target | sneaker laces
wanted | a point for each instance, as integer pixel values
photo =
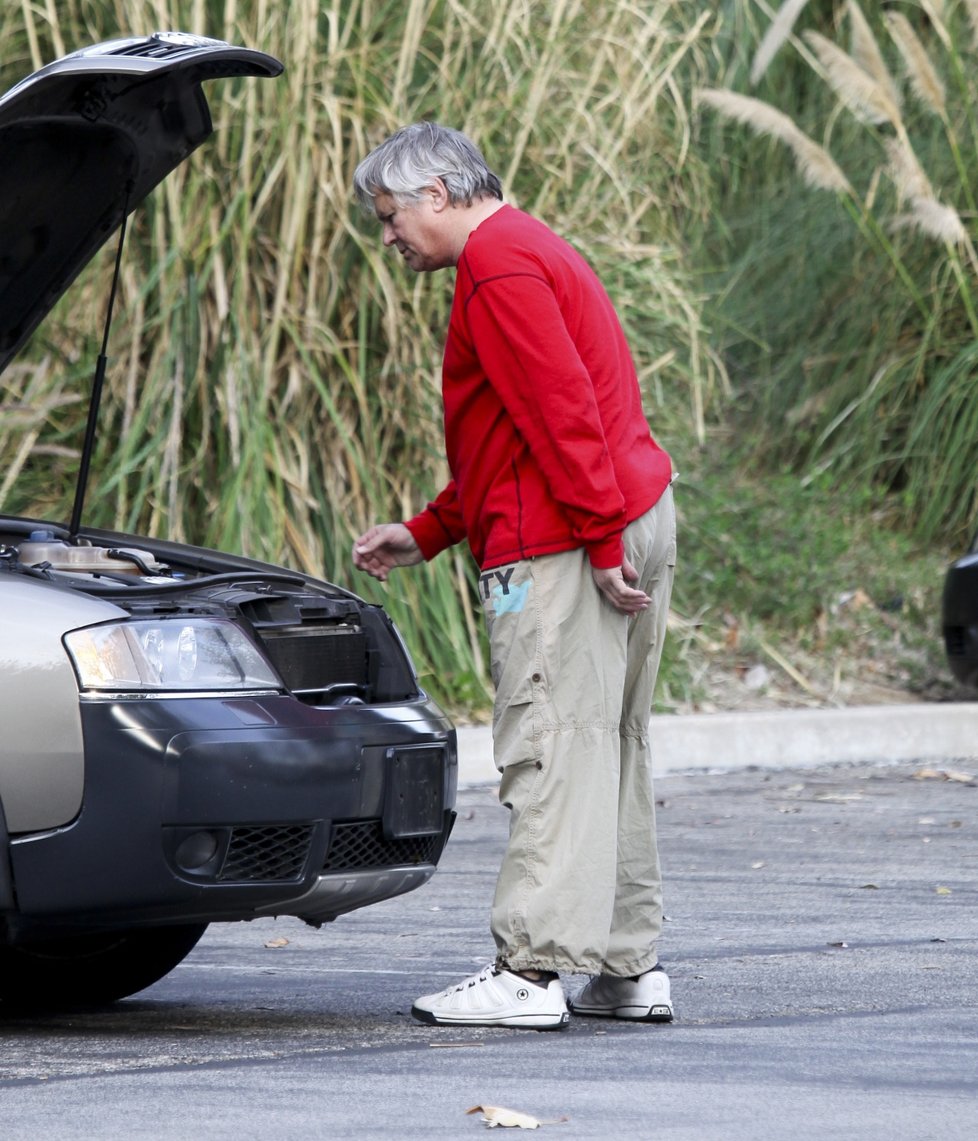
(479, 977)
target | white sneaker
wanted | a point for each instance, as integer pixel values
(496, 998)
(643, 999)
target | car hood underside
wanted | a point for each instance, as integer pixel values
(84, 140)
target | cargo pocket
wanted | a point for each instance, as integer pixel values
(514, 726)
(509, 606)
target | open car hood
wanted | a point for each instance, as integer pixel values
(84, 140)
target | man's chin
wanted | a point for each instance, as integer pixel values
(421, 264)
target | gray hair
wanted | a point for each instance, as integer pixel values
(413, 157)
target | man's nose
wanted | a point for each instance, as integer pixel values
(389, 238)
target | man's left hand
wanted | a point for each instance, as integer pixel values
(613, 582)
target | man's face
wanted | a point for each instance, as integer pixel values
(419, 230)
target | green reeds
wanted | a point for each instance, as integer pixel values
(893, 312)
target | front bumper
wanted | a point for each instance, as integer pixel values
(220, 808)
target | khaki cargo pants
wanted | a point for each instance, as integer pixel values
(579, 889)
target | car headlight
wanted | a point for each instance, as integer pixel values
(167, 655)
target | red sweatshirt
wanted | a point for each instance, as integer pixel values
(546, 439)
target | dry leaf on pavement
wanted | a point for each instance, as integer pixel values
(943, 774)
(495, 1115)
(281, 941)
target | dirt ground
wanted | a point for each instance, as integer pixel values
(856, 655)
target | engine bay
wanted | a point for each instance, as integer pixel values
(328, 646)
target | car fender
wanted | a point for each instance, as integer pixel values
(42, 756)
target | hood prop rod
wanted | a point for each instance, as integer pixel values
(98, 383)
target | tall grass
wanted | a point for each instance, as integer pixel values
(860, 305)
(274, 377)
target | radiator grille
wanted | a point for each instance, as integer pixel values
(312, 660)
(267, 854)
(363, 845)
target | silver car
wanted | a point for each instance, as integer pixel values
(187, 736)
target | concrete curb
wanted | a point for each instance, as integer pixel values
(790, 738)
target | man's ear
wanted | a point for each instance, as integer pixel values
(439, 196)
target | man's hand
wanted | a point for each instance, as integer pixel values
(384, 547)
(613, 584)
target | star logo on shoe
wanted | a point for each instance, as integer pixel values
(523, 994)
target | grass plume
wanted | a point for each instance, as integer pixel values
(865, 51)
(935, 220)
(909, 177)
(971, 8)
(816, 165)
(924, 80)
(778, 33)
(864, 95)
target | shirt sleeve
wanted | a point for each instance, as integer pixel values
(439, 525)
(530, 358)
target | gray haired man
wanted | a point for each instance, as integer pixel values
(565, 500)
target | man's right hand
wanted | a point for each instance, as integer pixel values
(384, 547)
(617, 584)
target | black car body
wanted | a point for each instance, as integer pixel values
(189, 736)
(960, 616)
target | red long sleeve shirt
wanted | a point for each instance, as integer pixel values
(546, 439)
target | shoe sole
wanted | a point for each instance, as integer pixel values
(627, 1013)
(511, 1022)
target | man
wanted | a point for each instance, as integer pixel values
(565, 501)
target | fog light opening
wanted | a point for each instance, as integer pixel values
(196, 851)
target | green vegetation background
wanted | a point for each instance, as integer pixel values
(274, 377)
